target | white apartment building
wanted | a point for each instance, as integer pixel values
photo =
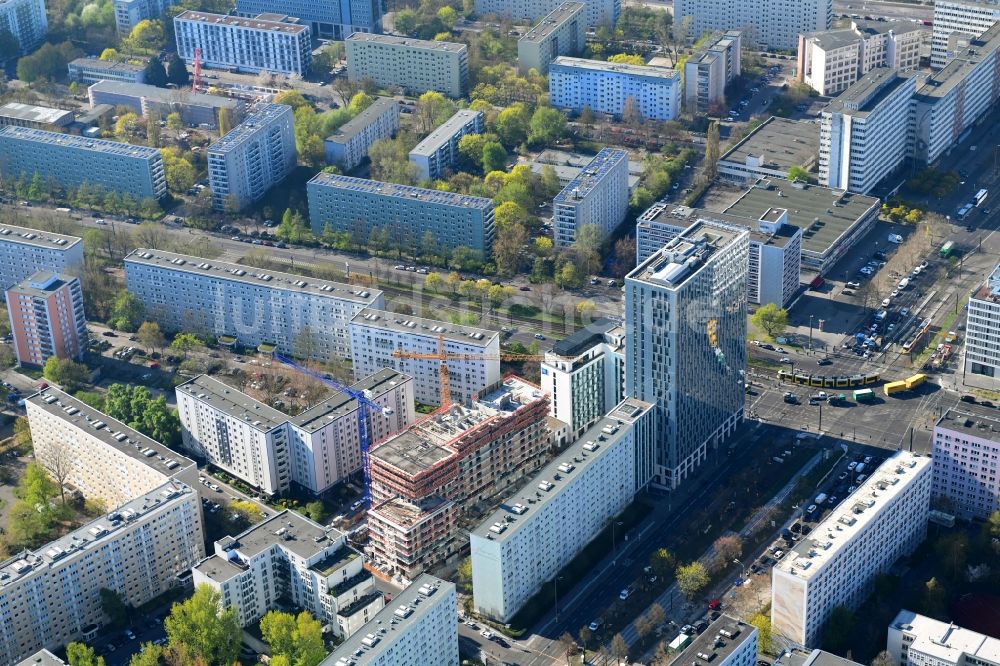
(289, 556)
(774, 263)
(439, 150)
(300, 315)
(584, 375)
(267, 43)
(711, 69)
(957, 21)
(420, 626)
(774, 23)
(955, 98)
(348, 146)
(376, 334)
(268, 449)
(24, 252)
(252, 158)
(832, 60)
(536, 531)
(141, 549)
(982, 335)
(881, 521)
(598, 196)
(726, 642)
(920, 640)
(562, 32)
(598, 13)
(415, 65)
(26, 22)
(91, 70)
(685, 346)
(105, 459)
(614, 89)
(864, 132)
(42, 658)
(128, 13)
(966, 460)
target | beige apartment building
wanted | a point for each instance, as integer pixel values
(415, 65)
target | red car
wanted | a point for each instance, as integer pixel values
(714, 604)
(154, 365)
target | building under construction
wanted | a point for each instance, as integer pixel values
(451, 466)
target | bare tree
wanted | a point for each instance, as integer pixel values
(57, 460)
(569, 647)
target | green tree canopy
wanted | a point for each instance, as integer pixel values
(201, 626)
(155, 74)
(66, 372)
(177, 72)
(298, 638)
(127, 312)
(770, 318)
(691, 579)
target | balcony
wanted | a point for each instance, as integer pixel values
(352, 582)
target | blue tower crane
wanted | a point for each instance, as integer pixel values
(364, 404)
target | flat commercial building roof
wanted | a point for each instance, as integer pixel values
(722, 638)
(411, 325)
(407, 42)
(824, 215)
(36, 114)
(401, 191)
(114, 433)
(867, 93)
(571, 463)
(684, 216)
(255, 276)
(97, 63)
(687, 254)
(585, 338)
(42, 658)
(780, 143)
(164, 95)
(972, 419)
(951, 75)
(945, 642)
(551, 21)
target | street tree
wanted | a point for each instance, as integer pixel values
(114, 607)
(619, 648)
(691, 579)
(297, 638)
(127, 312)
(770, 318)
(764, 636)
(883, 658)
(66, 372)
(57, 459)
(207, 630)
(81, 654)
(729, 547)
(150, 336)
(569, 647)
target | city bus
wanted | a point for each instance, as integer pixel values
(915, 381)
(947, 249)
(864, 395)
(981, 196)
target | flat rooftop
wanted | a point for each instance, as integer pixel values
(584, 338)
(647, 71)
(97, 63)
(360, 122)
(225, 398)
(722, 638)
(35, 114)
(945, 642)
(429, 442)
(408, 42)
(40, 285)
(681, 217)
(819, 658)
(418, 194)
(867, 93)
(271, 22)
(382, 319)
(444, 133)
(290, 529)
(115, 434)
(221, 270)
(824, 215)
(257, 121)
(407, 609)
(517, 510)
(852, 515)
(686, 254)
(990, 290)
(591, 176)
(779, 143)
(164, 95)
(944, 81)
(33, 135)
(37, 238)
(972, 419)
(406, 514)
(94, 534)
(42, 658)
(552, 21)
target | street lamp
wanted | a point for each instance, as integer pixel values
(614, 543)
(555, 593)
(743, 569)
(811, 333)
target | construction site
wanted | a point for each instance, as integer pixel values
(440, 475)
